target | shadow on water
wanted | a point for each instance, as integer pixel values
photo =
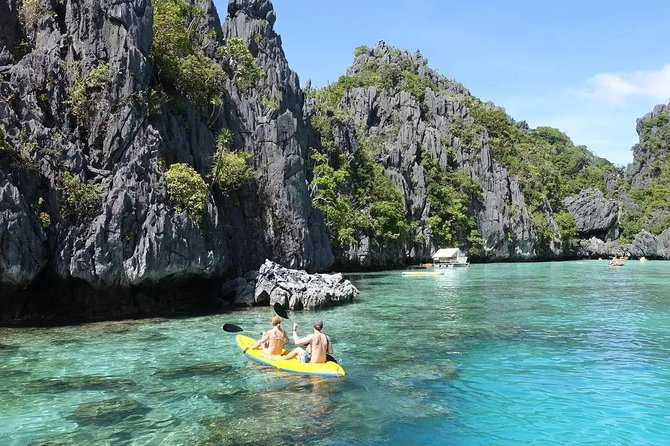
(8, 348)
(9, 373)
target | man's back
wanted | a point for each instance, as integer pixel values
(319, 347)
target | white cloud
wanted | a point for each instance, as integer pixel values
(618, 88)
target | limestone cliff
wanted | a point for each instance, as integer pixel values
(118, 140)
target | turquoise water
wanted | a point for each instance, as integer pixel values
(571, 353)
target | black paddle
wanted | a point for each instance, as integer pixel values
(281, 312)
(230, 328)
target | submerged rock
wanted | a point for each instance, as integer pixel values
(109, 411)
(77, 383)
(296, 289)
(205, 368)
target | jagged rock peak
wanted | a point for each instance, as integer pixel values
(658, 109)
(652, 150)
(386, 55)
(259, 9)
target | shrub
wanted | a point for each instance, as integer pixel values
(187, 191)
(81, 199)
(4, 144)
(45, 219)
(180, 65)
(200, 79)
(376, 194)
(241, 62)
(79, 95)
(271, 103)
(567, 226)
(230, 169)
(30, 13)
(341, 219)
(360, 50)
(655, 135)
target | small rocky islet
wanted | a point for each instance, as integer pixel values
(130, 187)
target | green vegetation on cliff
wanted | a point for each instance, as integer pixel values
(544, 159)
(81, 199)
(4, 145)
(79, 97)
(356, 197)
(451, 194)
(651, 204)
(30, 13)
(180, 64)
(352, 190)
(546, 162)
(241, 62)
(229, 169)
(187, 191)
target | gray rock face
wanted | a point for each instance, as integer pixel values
(299, 290)
(9, 24)
(644, 244)
(22, 252)
(663, 244)
(595, 215)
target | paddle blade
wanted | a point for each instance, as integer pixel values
(230, 328)
(279, 309)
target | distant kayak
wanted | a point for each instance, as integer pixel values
(423, 273)
(326, 370)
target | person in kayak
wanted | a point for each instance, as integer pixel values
(317, 344)
(274, 339)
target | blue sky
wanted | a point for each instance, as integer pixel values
(587, 67)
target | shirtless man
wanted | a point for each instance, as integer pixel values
(272, 340)
(319, 345)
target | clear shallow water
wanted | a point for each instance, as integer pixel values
(569, 353)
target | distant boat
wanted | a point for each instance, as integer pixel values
(449, 258)
(618, 261)
(643, 260)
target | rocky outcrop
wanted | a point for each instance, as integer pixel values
(651, 246)
(594, 214)
(595, 248)
(297, 289)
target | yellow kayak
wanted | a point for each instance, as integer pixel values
(327, 370)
